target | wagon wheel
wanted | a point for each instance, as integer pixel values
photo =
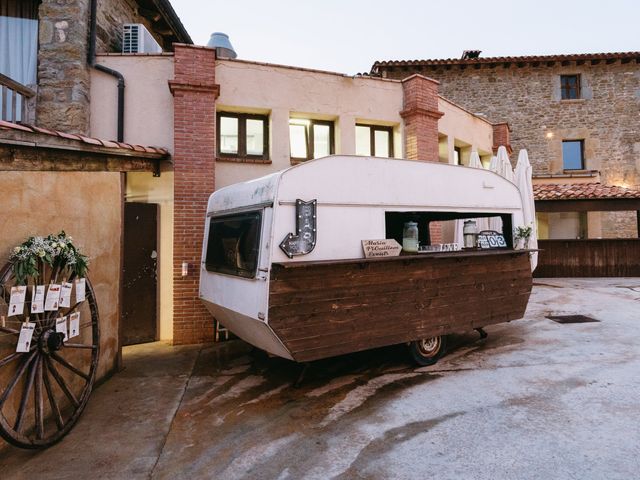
(44, 391)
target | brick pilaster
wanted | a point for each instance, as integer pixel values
(420, 113)
(194, 109)
(501, 137)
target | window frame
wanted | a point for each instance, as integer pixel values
(310, 139)
(372, 137)
(237, 272)
(567, 89)
(242, 135)
(582, 159)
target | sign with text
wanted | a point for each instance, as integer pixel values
(381, 248)
(491, 239)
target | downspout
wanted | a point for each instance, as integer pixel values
(91, 58)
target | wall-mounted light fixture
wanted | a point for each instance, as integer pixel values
(185, 269)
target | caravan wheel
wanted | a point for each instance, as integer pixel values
(428, 351)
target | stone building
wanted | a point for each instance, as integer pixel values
(577, 115)
(46, 46)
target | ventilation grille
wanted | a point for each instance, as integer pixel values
(131, 39)
(137, 39)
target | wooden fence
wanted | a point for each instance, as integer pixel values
(589, 258)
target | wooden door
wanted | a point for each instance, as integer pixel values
(140, 280)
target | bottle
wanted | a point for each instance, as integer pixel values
(410, 237)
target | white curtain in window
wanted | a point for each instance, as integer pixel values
(19, 41)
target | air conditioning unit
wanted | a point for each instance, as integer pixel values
(137, 39)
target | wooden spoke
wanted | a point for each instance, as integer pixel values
(25, 395)
(68, 366)
(39, 401)
(52, 400)
(79, 345)
(58, 378)
(9, 330)
(10, 358)
(16, 377)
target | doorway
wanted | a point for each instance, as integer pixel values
(140, 273)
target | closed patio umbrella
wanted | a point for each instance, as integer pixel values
(523, 181)
(502, 166)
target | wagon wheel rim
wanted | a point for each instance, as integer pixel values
(430, 347)
(44, 391)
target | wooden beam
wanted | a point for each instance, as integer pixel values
(17, 158)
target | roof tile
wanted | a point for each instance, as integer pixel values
(582, 191)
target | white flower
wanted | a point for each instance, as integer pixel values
(16, 250)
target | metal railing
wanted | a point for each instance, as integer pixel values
(17, 101)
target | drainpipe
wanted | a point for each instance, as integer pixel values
(91, 58)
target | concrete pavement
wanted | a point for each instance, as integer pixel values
(537, 399)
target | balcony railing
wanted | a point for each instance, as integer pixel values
(17, 102)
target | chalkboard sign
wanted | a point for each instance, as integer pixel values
(491, 239)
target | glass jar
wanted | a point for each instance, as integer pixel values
(469, 232)
(410, 237)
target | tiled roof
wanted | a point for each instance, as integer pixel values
(582, 191)
(118, 147)
(512, 59)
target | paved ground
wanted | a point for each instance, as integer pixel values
(535, 400)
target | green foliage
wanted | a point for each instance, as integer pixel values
(523, 232)
(56, 251)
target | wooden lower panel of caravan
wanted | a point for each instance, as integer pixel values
(323, 309)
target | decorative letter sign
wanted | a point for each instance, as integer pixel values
(305, 239)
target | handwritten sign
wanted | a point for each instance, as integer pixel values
(381, 248)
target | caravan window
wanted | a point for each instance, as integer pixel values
(233, 244)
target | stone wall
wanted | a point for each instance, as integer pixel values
(528, 97)
(63, 72)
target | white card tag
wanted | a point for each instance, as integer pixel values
(53, 298)
(80, 290)
(24, 340)
(61, 326)
(16, 302)
(74, 324)
(37, 299)
(65, 294)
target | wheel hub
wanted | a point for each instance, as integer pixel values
(52, 341)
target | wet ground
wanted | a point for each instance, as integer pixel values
(536, 399)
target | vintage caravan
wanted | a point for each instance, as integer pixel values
(283, 265)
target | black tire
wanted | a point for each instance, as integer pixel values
(428, 351)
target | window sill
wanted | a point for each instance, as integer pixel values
(298, 161)
(263, 161)
(573, 100)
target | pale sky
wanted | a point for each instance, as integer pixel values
(349, 35)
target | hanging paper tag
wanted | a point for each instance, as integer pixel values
(16, 302)
(24, 340)
(80, 290)
(74, 324)
(61, 326)
(53, 298)
(37, 299)
(65, 294)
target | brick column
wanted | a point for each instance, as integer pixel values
(420, 113)
(501, 137)
(194, 126)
